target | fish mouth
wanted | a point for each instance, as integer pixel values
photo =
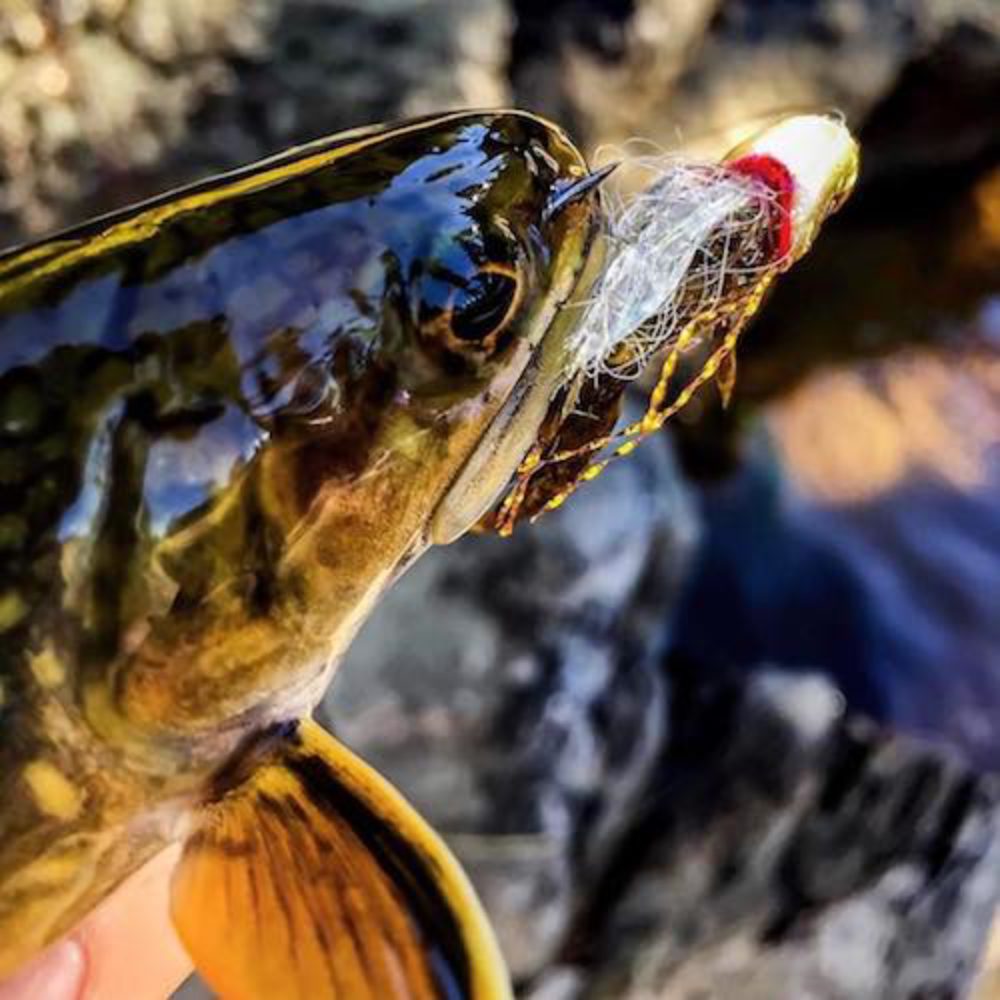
(510, 435)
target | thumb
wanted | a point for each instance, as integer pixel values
(57, 974)
(125, 948)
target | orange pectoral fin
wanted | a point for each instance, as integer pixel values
(312, 877)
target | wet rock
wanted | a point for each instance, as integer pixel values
(512, 688)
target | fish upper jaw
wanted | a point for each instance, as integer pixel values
(514, 429)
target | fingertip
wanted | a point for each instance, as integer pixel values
(131, 947)
(57, 974)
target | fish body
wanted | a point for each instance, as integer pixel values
(228, 418)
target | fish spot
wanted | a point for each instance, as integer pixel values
(21, 405)
(13, 531)
(62, 870)
(48, 669)
(12, 609)
(52, 791)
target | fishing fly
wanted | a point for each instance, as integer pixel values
(689, 258)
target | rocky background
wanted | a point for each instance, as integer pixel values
(726, 726)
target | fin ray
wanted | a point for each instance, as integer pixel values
(310, 876)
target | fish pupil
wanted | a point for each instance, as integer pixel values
(482, 306)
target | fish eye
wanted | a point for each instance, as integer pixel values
(476, 313)
(483, 307)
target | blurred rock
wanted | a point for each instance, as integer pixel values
(787, 853)
(606, 70)
(864, 542)
(699, 73)
(106, 101)
(95, 93)
(512, 687)
(103, 102)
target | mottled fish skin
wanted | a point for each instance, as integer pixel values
(225, 418)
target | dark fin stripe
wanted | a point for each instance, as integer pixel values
(309, 876)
